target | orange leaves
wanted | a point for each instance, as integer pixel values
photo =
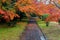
(50, 6)
(54, 17)
(8, 15)
(16, 15)
(50, 9)
(12, 15)
(4, 15)
(24, 2)
(39, 9)
(25, 5)
(58, 1)
(1, 11)
(3, 1)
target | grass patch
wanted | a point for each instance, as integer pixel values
(12, 33)
(52, 32)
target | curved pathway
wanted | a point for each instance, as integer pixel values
(32, 32)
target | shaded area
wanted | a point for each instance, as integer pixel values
(32, 32)
(12, 33)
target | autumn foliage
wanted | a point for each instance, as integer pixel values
(31, 6)
(8, 15)
(40, 9)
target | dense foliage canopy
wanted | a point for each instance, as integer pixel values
(8, 9)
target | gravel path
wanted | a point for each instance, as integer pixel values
(32, 32)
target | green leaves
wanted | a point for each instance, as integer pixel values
(44, 16)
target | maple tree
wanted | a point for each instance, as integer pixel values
(7, 12)
(40, 9)
(9, 7)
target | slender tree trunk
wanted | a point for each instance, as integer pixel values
(47, 23)
(56, 4)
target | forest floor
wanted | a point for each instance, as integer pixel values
(52, 32)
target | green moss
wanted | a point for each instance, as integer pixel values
(12, 33)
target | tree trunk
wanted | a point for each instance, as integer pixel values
(56, 4)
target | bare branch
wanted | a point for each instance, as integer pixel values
(57, 5)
